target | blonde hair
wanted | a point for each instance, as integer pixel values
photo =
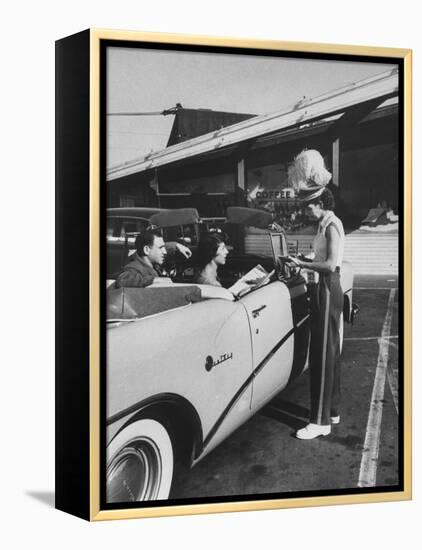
(308, 165)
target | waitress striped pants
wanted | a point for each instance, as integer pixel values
(324, 362)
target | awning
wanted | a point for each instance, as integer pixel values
(379, 87)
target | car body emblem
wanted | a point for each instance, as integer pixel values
(210, 363)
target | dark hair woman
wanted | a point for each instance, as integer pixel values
(210, 254)
(309, 176)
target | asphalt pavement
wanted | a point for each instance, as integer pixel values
(264, 458)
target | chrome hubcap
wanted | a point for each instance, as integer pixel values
(134, 473)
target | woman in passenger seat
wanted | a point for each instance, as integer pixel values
(210, 254)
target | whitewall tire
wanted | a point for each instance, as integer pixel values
(140, 463)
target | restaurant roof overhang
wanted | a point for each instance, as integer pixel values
(344, 106)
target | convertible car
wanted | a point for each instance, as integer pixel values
(183, 372)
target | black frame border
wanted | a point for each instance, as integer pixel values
(130, 44)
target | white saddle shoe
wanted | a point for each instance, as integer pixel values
(311, 431)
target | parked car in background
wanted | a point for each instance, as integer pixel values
(123, 226)
(183, 373)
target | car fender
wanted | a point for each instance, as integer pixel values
(177, 414)
(183, 352)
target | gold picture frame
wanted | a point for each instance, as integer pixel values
(80, 175)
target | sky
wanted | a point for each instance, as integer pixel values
(142, 80)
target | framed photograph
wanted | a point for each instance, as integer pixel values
(233, 276)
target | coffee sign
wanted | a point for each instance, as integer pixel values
(275, 195)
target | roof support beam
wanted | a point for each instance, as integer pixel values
(241, 182)
(336, 162)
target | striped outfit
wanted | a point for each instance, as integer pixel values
(326, 308)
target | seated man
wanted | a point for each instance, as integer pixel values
(144, 266)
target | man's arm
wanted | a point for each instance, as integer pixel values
(174, 247)
(176, 253)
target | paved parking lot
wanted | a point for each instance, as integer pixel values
(264, 457)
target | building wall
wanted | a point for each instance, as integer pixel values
(137, 187)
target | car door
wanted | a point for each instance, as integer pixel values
(271, 325)
(201, 352)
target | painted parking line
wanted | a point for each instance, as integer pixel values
(369, 461)
(392, 378)
(371, 338)
(374, 288)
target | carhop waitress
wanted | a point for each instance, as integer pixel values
(310, 177)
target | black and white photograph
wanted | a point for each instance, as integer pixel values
(252, 239)
(210, 296)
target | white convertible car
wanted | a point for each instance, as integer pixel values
(184, 372)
